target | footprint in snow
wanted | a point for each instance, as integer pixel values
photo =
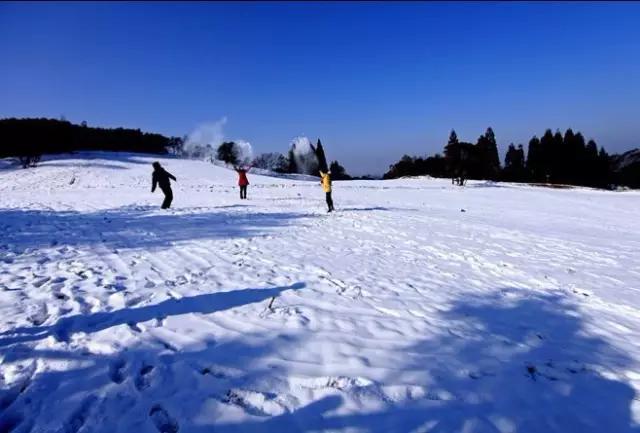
(80, 416)
(142, 381)
(38, 315)
(116, 371)
(8, 397)
(162, 420)
(37, 284)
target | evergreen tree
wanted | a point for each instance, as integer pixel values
(291, 158)
(557, 158)
(509, 159)
(322, 159)
(534, 159)
(452, 155)
(581, 173)
(338, 172)
(520, 163)
(488, 162)
(494, 157)
(569, 158)
(546, 152)
(603, 169)
(514, 168)
(510, 162)
(591, 163)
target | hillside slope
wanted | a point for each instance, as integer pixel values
(418, 306)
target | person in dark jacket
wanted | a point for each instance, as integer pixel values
(161, 177)
(243, 181)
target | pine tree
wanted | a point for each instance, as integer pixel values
(487, 153)
(322, 159)
(509, 162)
(492, 154)
(568, 162)
(452, 155)
(546, 156)
(509, 159)
(591, 163)
(338, 172)
(581, 171)
(514, 168)
(603, 169)
(534, 159)
(520, 164)
(293, 166)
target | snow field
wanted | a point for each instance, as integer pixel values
(417, 307)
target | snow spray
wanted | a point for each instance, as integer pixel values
(204, 141)
(304, 155)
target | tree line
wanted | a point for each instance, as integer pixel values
(27, 139)
(554, 158)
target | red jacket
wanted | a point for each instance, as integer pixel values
(242, 177)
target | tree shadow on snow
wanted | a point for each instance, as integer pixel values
(207, 303)
(512, 361)
(509, 363)
(130, 388)
(134, 226)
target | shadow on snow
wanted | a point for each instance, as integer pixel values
(133, 227)
(208, 303)
(515, 360)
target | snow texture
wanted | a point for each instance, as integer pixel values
(417, 307)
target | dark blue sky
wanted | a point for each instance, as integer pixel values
(381, 79)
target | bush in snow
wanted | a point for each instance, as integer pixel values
(273, 161)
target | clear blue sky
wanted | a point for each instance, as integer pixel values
(372, 80)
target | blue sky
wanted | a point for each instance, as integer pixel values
(373, 80)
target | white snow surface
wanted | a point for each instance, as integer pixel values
(418, 306)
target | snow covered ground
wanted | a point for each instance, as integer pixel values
(417, 307)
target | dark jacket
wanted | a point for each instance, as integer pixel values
(161, 177)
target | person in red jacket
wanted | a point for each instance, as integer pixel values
(243, 182)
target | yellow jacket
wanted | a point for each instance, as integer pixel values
(326, 181)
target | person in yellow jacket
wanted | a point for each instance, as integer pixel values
(326, 186)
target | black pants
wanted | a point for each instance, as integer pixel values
(168, 197)
(329, 202)
(243, 191)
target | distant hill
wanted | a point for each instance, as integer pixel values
(626, 168)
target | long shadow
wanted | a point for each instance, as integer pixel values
(84, 165)
(85, 159)
(88, 323)
(133, 227)
(9, 164)
(510, 363)
(377, 208)
(513, 361)
(487, 184)
(88, 157)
